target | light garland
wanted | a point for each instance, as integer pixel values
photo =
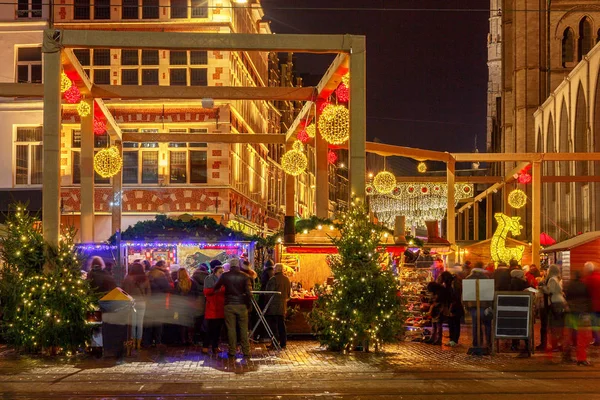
(342, 93)
(422, 167)
(65, 82)
(83, 109)
(311, 130)
(346, 79)
(334, 124)
(384, 182)
(294, 162)
(72, 95)
(99, 126)
(108, 162)
(517, 198)
(498, 249)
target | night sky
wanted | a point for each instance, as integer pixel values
(426, 70)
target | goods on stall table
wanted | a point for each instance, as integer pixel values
(414, 289)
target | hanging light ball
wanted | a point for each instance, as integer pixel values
(72, 95)
(108, 162)
(517, 198)
(311, 130)
(65, 82)
(294, 162)
(303, 136)
(422, 167)
(99, 126)
(334, 124)
(83, 109)
(384, 182)
(346, 79)
(342, 93)
(322, 104)
(332, 157)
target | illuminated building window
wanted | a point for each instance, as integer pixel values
(198, 77)
(178, 76)
(149, 166)
(178, 167)
(83, 56)
(29, 65)
(199, 8)
(129, 77)
(28, 155)
(130, 9)
(102, 76)
(149, 77)
(188, 76)
(150, 9)
(101, 9)
(29, 9)
(198, 166)
(81, 9)
(179, 9)
(130, 166)
(101, 57)
(130, 57)
(198, 57)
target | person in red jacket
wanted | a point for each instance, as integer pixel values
(592, 281)
(531, 275)
(214, 313)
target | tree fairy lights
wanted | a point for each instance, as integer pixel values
(498, 249)
(65, 82)
(107, 162)
(334, 124)
(294, 161)
(517, 198)
(384, 182)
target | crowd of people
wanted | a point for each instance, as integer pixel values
(194, 309)
(568, 314)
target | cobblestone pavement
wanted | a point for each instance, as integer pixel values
(404, 371)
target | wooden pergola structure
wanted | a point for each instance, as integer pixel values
(58, 55)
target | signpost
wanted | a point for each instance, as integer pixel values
(478, 290)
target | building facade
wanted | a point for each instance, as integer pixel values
(238, 184)
(540, 43)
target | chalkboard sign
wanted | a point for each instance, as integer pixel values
(513, 313)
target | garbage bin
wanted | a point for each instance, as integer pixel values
(116, 309)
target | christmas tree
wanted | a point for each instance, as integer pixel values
(45, 299)
(362, 307)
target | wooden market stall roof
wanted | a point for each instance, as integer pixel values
(574, 242)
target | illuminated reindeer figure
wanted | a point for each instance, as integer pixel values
(501, 253)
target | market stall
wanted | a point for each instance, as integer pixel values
(573, 253)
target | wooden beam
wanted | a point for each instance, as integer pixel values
(207, 41)
(112, 127)
(201, 92)
(401, 151)
(21, 89)
(162, 137)
(304, 113)
(457, 179)
(559, 178)
(525, 157)
(536, 211)
(450, 207)
(357, 157)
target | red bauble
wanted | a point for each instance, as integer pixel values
(99, 126)
(321, 106)
(332, 157)
(303, 136)
(342, 93)
(73, 95)
(524, 178)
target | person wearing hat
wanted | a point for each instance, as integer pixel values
(199, 276)
(278, 307)
(238, 289)
(100, 280)
(214, 316)
(518, 283)
(214, 263)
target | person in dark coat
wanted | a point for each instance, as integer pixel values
(238, 289)
(453, 285)
(518, 283)
(439, 308)
(199, 276)
(156, 315)
(136, 284)
(578, 319)
(267, 274)
(100, 281)
(278, 307)
(502, 278)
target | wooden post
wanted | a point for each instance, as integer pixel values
(489, 211)
(87, 175)
(117, 210)
(322, 173)
(289, 230)
(450, 210)
(466, 214)
(358, 119)
(476, 220)
(536, 215)
(52, 122)
(461, 221)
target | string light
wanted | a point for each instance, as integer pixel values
(108, 162)
(498, 249)
(311, 130)
(342, 93)
(65, 82)
(99, 126)
(422, 167)
(294, 161)
(517, 198)
(72, 95)
(334, 124)
(83, 109)
(384, 182)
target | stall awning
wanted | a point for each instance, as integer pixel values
(573, 242)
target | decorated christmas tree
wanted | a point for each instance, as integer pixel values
(44, 297)
(362, 307)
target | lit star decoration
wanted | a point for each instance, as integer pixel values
(108, 162)
(517, 198)
(311, 130)
(498, 249)
(83, 109)
(332, 157)
(384, 182)
(334, 124)
(303, 136)
(422, 167)
(72, 95)
(294, 162)
(342, 93)
(65, 83)
(99, 126)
